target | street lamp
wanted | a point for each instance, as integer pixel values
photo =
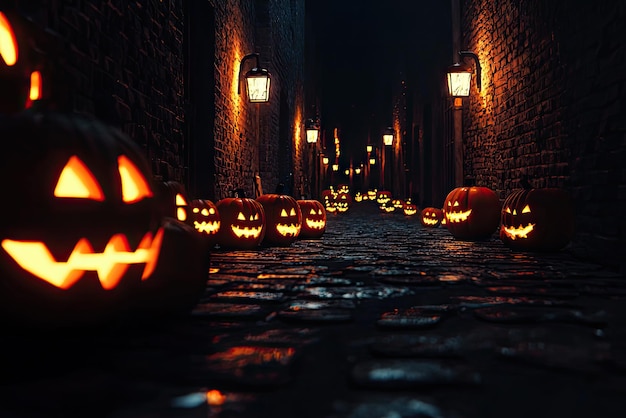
(257, 81)
(312, 131)
(369, 148)
(388, 137)
(460, 76)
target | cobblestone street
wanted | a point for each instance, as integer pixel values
(379, 318)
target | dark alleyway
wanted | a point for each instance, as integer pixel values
(379, 318)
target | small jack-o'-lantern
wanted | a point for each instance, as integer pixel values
(358, 197)
(87, 231)
(472, 213)
(283, 219)
(175, 201)
(537, 219)
(383, 197)
(313, 219)
(397, 203)
(242, 223)
(342, 202)
(20, 81)
(328, 199)
(387, 207)
(372, 194)
(409, 209)
(206, 219)
(431, 217)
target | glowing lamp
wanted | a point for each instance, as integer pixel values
(312, 131)
(257, 81)
(460, 76)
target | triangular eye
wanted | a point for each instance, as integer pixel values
(240, 217)
(319, 212)
(134, 185)
(293, 212)
(283, 213)
(507, 209)
(526, 209)
(8, 44)
(77, 181)
(205, 212)
(312, 212)
(456, 203)
(256, 216)
(180, 200)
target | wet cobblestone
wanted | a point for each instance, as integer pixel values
(379, 318)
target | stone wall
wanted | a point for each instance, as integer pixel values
(553, 74)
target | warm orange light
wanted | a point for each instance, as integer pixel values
(215, 398)
(134, 186)
(110, 265)
(77, 181)
(8, 43)
(35, 86)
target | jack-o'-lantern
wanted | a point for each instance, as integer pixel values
(313, 219)
(87, 231)
(206, 219)
(472, 213)
(328, 200)
(342, 202)
(371, 194)
(358, 197)
(431, 217)
(387, 207)
(397, 203)
(383, 197)
(537, 219)
(409, 209)
(242, 223)
(283, 219)
(17, 69)
(343, 188)
(444, 223)
(175, 201)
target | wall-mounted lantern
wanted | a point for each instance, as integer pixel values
(325, 160)
(369, 148)
(388, 137)
(372, 161)
(257, 81)
(460, 76)
(335, 167)
(312, 131)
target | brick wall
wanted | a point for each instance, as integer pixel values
(552, 77)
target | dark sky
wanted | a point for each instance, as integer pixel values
(365, 42)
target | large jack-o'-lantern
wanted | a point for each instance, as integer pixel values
(20, 80)
(472, 213)
(242, 223)
(206, 220)
(283, 219)
(537, 219)
(313, 219)
(431, 217)
(87, 230)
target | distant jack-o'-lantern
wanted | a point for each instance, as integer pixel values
(242, 223)
(328, 200)
(472, 213)
(410, 209)
(206, 219)
(397, 203)
(313, 219)
(358, 197)
(175, 201)
(283, 219)
(431, 217)
(383, 197)
(20, 80)
(87, 231)
(372, 194)
(342, 202)
(537, 219)
(387, 207)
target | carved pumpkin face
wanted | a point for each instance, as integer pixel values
(431, 217)
(313, 219)
(383, 197)
(358, 197)
(472, 213)
(397, 203)
(537, 219)
(283, 219)
(387, 207)
(88, 219)
(175, 201)
(242, 223)
(372, 194)
(205, 218)
(343, 202)
(410, 209)
(20, 82)
(328, 199)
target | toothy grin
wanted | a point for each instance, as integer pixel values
(458, 216)
(246, 232)
(288, 230)
(519, 232)
(312, 224)
(207, 227)
(429, 221)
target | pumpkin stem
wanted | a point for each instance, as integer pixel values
(525, 183)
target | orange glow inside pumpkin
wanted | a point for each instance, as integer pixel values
(110, 265)
(315, 220)
(8, 43)
(134, 186)
(181, 213)
(35, 86)
(288, 229)
(520, 231)
(207, 227)
(77, 181)
(247, 231)
(458, 216)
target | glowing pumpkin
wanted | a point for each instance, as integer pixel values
(87, 231)
(342, 202)
(372, 194)
(242, 223)
(472, 213)
(383, 197)
(283, 219)
(20, 81)
(397, 203)
(537, 219)
(328, 199)
(175, 201)
(410, 209)
(206, 219)
(313, 219)
(387, 207)
(431, 217)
